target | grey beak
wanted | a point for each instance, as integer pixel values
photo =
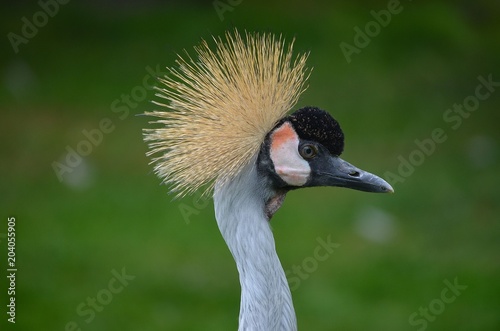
(337, 172)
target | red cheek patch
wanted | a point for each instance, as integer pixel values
(288, 163)
(283, 134)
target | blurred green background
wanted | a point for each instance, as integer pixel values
(86, 67)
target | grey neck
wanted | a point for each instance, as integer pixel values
(240, 209)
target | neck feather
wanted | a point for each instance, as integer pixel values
(240, 209)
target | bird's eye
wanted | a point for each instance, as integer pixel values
(308, 151)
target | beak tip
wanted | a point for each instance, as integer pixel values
(385, 187)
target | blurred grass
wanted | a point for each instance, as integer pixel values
(116, 215)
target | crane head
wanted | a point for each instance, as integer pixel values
(303, 150)
(229, 107)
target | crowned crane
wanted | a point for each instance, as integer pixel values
(226, 130)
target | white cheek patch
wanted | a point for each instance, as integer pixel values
(288, 163)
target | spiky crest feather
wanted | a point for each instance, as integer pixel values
(221, 106)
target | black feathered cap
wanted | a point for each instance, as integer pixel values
(314, 124)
